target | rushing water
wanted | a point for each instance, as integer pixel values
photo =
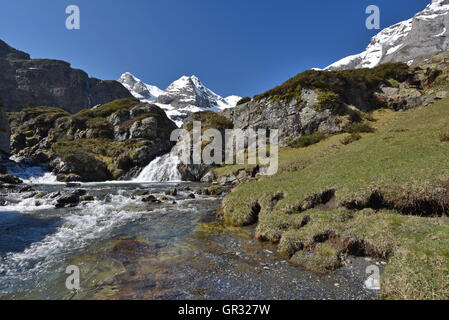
(35, 174)
(127, 248)
(161, 169)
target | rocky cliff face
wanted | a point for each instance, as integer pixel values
(293, 118)
(4, 133)
(423, 36)
(26, 82)
(112, 141)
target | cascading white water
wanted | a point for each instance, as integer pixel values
(162, 169)
(30, 174)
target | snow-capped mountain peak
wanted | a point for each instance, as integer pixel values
(421, 36)
(188, 95)
(181, 98)
(188, 83)
(139, 89)
(184, 82)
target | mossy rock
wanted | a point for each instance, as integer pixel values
(322, 260)
(9, 179)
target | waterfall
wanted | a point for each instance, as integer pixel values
(31, 174)
(162, 169)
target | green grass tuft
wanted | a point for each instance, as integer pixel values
(309, 140)
(353, 137)
(359, 127)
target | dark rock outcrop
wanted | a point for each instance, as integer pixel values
(70, 199)
(9, 179)
(4, 134)
(26, 82)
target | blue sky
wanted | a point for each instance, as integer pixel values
(241, 47)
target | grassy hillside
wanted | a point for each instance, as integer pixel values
(385, 195)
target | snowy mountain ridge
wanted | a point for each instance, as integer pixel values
(181, 98)
(138, 89)
(424, 35)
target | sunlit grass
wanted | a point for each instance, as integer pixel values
(404, 158)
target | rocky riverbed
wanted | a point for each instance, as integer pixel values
(146, 241)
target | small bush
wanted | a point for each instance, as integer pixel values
(276, 98)
(353, 137)
(244, 100)
(359, 127)
(444, 137)
(329, 98)
(306, 141)
(394, 83)
(298, 93)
